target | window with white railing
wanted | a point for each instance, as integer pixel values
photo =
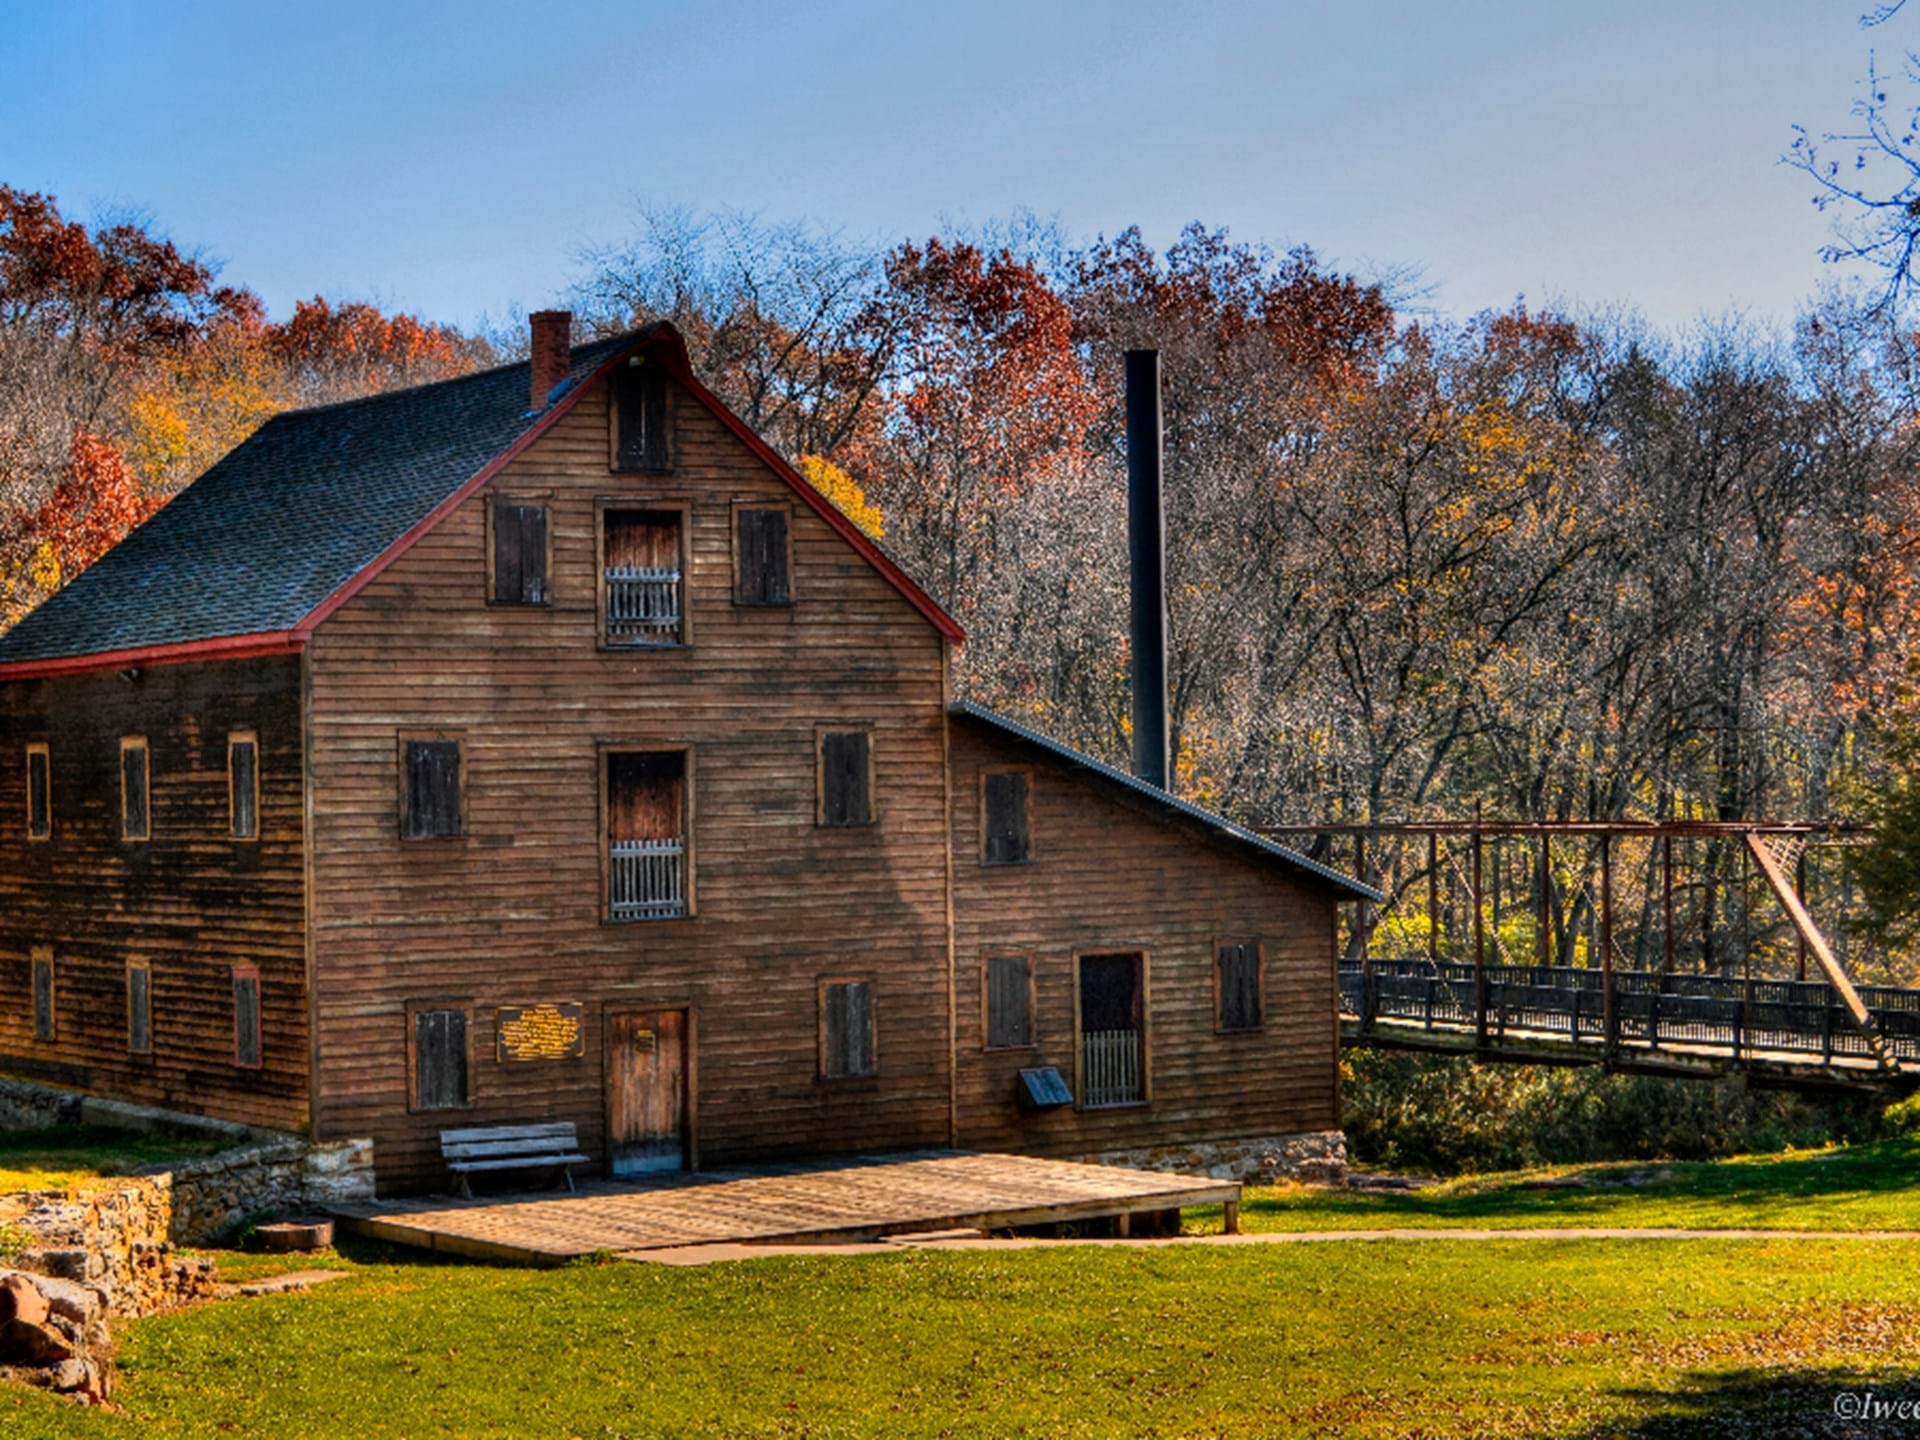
(643, 588)
(649, 874)
(1113, 1026)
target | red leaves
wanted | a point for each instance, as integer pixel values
(98, 500)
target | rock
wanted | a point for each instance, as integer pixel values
(20, 1299)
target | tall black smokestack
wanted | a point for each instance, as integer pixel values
(1147, 551)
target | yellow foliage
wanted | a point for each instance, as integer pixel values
(848, 498)
(199, 405)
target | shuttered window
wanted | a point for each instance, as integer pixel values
(243, 786)
(440, 1059)
(39, 793)
(640, 418)
(761, 557)
(43, 1027)
(846, 1029)
(430, 789)
(846, 777)
(1004, 798)
(1009, 1002)
(519, 553)
(246, 1019)
(135, 823)
(1237, 984)
(139, 1010)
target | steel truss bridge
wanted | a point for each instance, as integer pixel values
(1575, 995)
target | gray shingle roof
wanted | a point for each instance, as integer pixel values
(284, 520)
(1176, 807)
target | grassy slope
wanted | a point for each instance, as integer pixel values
(1383, 1339)
(1866, 1187)
(58, 1159)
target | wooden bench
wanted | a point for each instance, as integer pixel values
(501, 1148)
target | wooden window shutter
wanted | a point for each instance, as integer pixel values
(43, 1014)
(640, 413)
(39, 792)
(135, 822)
(440, 1059)
(846, 777)
(1238, 984)
(139, 1010)
(1006, 797)
(762, 550)
(243, 785)
(1009, 1002)
(519, 553)
(433, 789)
(246, 1019)
(848, 1026)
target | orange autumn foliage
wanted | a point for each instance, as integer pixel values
(97, 502)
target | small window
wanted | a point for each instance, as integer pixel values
(649, 834)
(243, 785)
(845, 779)
(39, 793)
(640, 417)
(139, 1009)
(519, 554)
(1007, 818)
(43, 1026)
(430, 789)
(135, 797)
(1237, 986)
(643, 591)
(1009, 1002)
(846, 1029)
(762, 557)
(246, 1017)
(440, 1058)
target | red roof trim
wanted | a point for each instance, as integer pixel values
(683, 371)
(223, 647)
(824, 507)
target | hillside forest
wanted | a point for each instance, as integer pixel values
(1549, 565)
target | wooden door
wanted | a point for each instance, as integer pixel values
(646, 1091)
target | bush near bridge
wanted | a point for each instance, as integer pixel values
(1456, 1116)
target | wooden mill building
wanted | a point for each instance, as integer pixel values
(538, 745)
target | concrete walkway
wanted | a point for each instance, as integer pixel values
(711, 1254)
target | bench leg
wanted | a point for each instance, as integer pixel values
(567, 1170)
(1230, 1218)
(466, 1186)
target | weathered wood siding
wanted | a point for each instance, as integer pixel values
(510, 914)
(1106, 877)
(190, 902)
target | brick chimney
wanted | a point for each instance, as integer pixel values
(552, 351)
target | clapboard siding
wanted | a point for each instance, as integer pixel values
(509, 914)
(1109, 876)
(190, 902)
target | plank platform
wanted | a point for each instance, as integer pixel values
(861, 1198)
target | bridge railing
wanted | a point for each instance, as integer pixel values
(1648, 1008)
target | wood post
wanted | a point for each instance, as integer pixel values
(1363, 912)
(1433, 899)
(1479, 949)
(1666, 886)
(1800, 945)
(1230, 1218)
(1543, 921)
(1611, 1020)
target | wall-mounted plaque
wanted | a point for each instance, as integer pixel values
(539, 1032)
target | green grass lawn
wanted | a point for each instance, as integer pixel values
(75, 1155)
(1582, 1338)
(1864, 1187)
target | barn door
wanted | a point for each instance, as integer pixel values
(646, 1091)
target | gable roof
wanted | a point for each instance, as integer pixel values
(1174, 808)
(290, 524)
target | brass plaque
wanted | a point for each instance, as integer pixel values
(539, 1032)
(643, 1042)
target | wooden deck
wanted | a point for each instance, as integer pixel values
(827, 1201)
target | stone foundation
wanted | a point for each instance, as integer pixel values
(114, 1238)
(216, 1198)
(1317, 1157)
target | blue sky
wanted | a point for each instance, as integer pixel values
(455, 159)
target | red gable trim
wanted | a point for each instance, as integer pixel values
(823, 507)
(224, 647)
(683, 372)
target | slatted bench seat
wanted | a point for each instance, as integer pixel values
(501, 1148)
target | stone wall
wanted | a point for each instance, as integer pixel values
(53, 1334)
(115, 1237)
(1316, 1157)
(35, 1107)
(215, 1198)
